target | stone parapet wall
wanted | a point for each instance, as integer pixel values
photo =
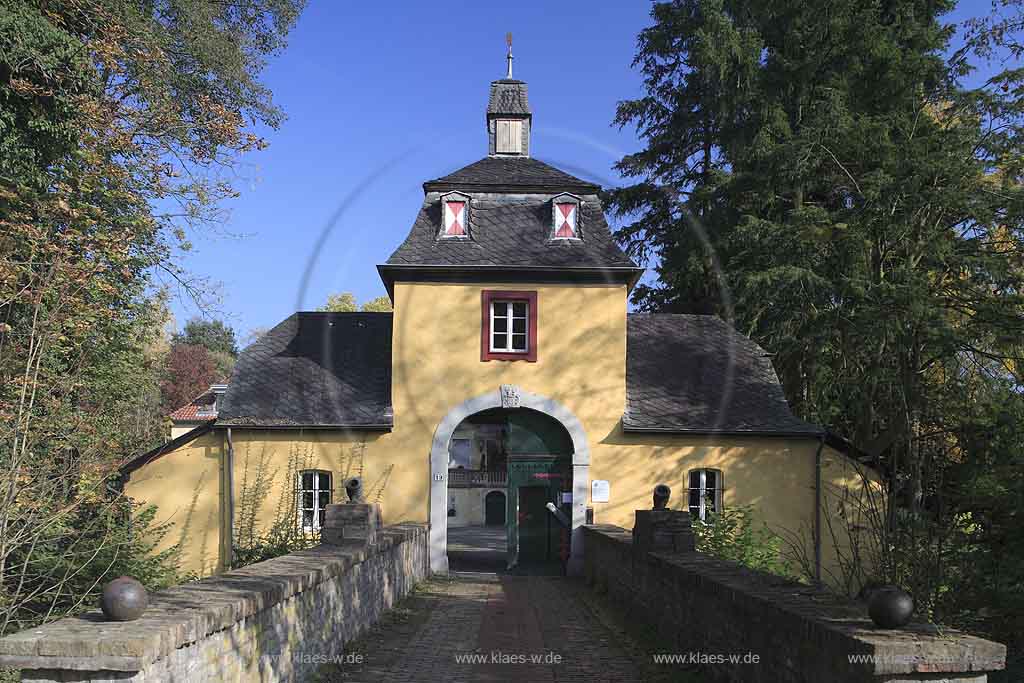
(703, 606)
(277, 620)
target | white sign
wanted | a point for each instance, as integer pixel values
(566, 496)
(600, 491)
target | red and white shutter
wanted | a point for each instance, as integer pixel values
(454, 218)
(565, 219)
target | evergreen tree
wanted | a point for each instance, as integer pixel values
(818, 174)
(212, 335)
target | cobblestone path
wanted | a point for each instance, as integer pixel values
(493, 627)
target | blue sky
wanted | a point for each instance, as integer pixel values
(383, 96)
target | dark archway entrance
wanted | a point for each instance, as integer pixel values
(527, 455)
(494, 509)
(506, 396)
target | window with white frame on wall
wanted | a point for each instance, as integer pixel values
(510, 320)
(509, 326)
(705, 493)
(314, 496)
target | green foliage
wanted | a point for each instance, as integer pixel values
(734, 534)
(381, 304)
(212, 335)
(223, 364)
(99, 541)
(345, 302)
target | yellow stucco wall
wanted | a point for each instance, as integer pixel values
(187, 486)
(775, 476)
(181, 429)
(436, 366)
(267, 462)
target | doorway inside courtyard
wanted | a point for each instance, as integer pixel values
(509, 493)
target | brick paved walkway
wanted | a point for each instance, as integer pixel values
(432, 636)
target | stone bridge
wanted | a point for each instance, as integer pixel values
(650, 609)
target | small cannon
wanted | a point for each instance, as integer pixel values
(559, 515)
(354, 489)
(661, 496)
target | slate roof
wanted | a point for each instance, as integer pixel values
(511, 231)
(684, 374)
(508, 96)
(511, 174)
(695, 373)
(315, 370)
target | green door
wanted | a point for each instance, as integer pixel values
(533, 523)
(533, 482)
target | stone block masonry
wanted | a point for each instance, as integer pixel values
(278, 620)
(719, 615)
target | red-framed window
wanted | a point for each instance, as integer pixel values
(508, 325)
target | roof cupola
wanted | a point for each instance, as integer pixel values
(508, 114)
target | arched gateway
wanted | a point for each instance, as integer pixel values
(506, 396)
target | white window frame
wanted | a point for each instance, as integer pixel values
(716, 493)
(508, 329)
(319, 486)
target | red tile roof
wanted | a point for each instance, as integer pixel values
(199, 409)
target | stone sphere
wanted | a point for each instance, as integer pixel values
(124, 599)
(890, 607)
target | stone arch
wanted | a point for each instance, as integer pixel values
(506, 396)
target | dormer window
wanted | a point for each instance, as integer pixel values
(509, 136)
(565, 217)
(454, 215)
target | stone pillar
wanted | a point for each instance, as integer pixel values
(662, 531)
(351, 524)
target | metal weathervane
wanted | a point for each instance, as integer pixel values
(508, 41)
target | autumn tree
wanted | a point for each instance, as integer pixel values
(190, 371)
(122, 123)
(217, 338)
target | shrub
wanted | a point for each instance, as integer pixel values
(733, 534)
